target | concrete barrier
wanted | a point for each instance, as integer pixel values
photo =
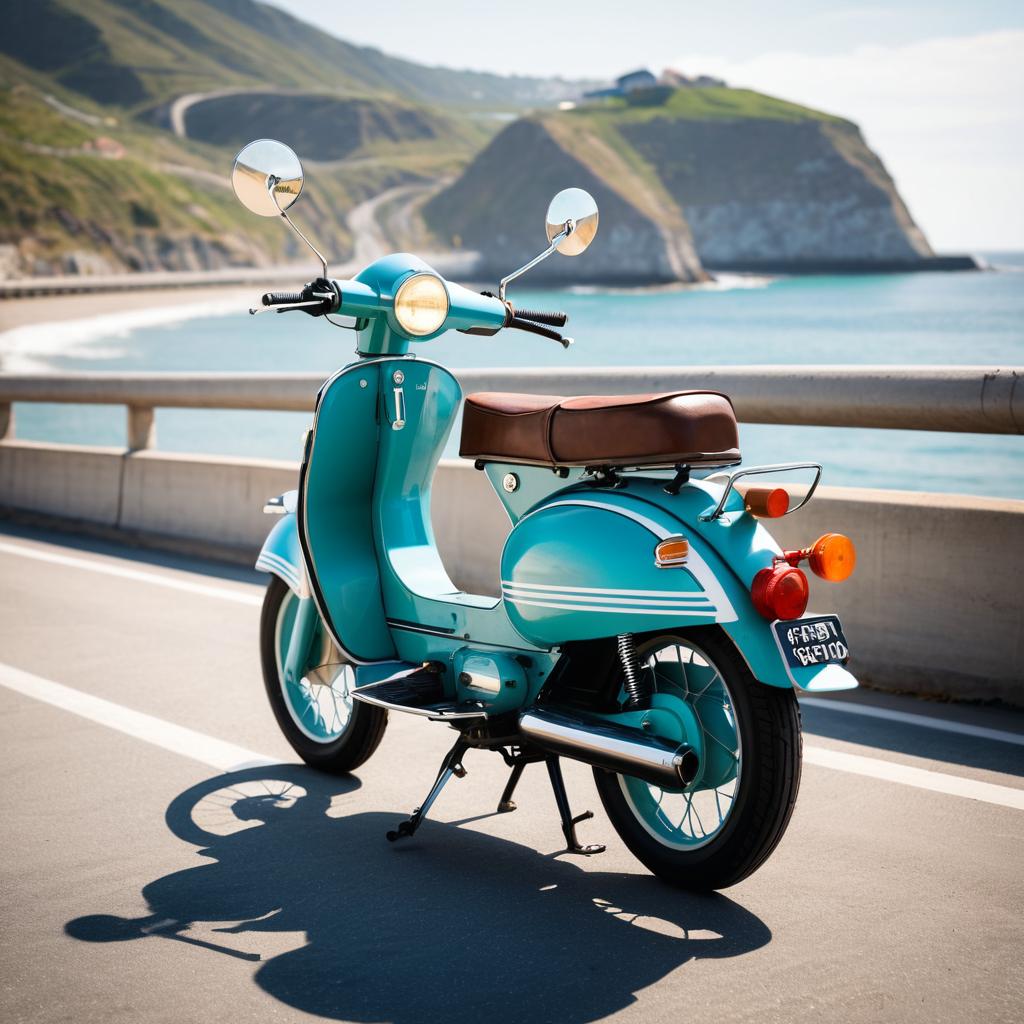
(934, 607)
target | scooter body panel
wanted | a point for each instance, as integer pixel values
(581, 566)
(335, 513)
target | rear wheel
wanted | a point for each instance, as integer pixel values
(724, 826)
(319, 718)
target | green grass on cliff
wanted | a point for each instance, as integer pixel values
(712, 104)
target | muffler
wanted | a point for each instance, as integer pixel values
(617, 748)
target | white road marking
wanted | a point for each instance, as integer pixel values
(228, 757)
(925, 721)
(920, 778)
(198, 746)
(201, 589)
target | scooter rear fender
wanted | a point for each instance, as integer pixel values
(582, 566)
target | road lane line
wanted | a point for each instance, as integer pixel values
(907, 717)
(920, 778)
(202, 589)
(227, 757)
(198, 746)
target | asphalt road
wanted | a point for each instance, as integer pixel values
(140, 882)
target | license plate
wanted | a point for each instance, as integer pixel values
(816, 640)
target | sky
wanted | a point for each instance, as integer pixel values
(937, 88)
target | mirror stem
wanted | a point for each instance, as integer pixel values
(271, 186)
(560, 237)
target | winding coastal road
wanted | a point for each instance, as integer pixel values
(166, 859)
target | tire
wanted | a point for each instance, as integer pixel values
(360, 734)
(765, 783)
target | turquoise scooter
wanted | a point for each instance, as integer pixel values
(648, 624)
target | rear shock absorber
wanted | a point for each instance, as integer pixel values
(638, 697)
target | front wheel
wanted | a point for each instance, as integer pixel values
(721, 829)
(319, 718)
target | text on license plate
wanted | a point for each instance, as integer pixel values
(817, 640)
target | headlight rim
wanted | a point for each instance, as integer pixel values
(406, 282)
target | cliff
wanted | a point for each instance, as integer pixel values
(716, 177)
(497, 207)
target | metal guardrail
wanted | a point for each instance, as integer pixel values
(964, 399)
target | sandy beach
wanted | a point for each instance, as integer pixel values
(22, 312)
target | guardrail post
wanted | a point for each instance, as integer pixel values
(141, 427)
(6, 421)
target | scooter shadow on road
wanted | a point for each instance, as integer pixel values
(456, 925)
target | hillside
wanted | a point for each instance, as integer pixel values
(742, 180)
(119, 119)
(134, 53)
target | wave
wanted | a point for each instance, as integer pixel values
(35, 348)
(719, 283)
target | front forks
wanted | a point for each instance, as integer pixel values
(300, 641)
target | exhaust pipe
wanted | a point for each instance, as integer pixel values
(616, 748)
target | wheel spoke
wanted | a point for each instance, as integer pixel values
(679, 671)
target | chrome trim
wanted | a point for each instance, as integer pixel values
(784, 467)
(432, 713)
(488, 682)
(616, 748)
(562, 235)
(283, 504)
(415, 275)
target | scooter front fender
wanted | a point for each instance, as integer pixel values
(282, 556)
(582, 566)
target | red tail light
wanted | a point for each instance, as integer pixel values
(780, 592)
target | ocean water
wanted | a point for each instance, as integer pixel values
(916, 319)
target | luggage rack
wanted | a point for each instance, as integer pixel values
(418, 692)
(782, 467)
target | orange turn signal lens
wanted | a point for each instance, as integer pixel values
(670, 552)
(766, 502)
(832, 557)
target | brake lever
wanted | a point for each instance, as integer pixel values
(317, 299)
(533, 328)
(284, 307)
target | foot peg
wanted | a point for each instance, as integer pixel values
(451, 765)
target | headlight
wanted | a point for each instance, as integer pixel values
(421, 304)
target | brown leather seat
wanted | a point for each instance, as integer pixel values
(680, 427)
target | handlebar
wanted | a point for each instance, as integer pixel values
(534, 328)
(317, 298)
(279, 298)
(551, 319)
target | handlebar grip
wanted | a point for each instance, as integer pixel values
(279, 298)
(552, 319)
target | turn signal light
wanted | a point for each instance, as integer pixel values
(832, 557)
(766, 502)
(671, 551)
(781, 592)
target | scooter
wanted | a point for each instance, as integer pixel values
(648, 624)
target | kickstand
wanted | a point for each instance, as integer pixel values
(506, 803)
(451, 765)
(569, 823)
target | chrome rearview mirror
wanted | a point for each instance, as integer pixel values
(267, 179)
(571, 224)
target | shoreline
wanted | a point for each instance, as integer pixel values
(27, 312)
